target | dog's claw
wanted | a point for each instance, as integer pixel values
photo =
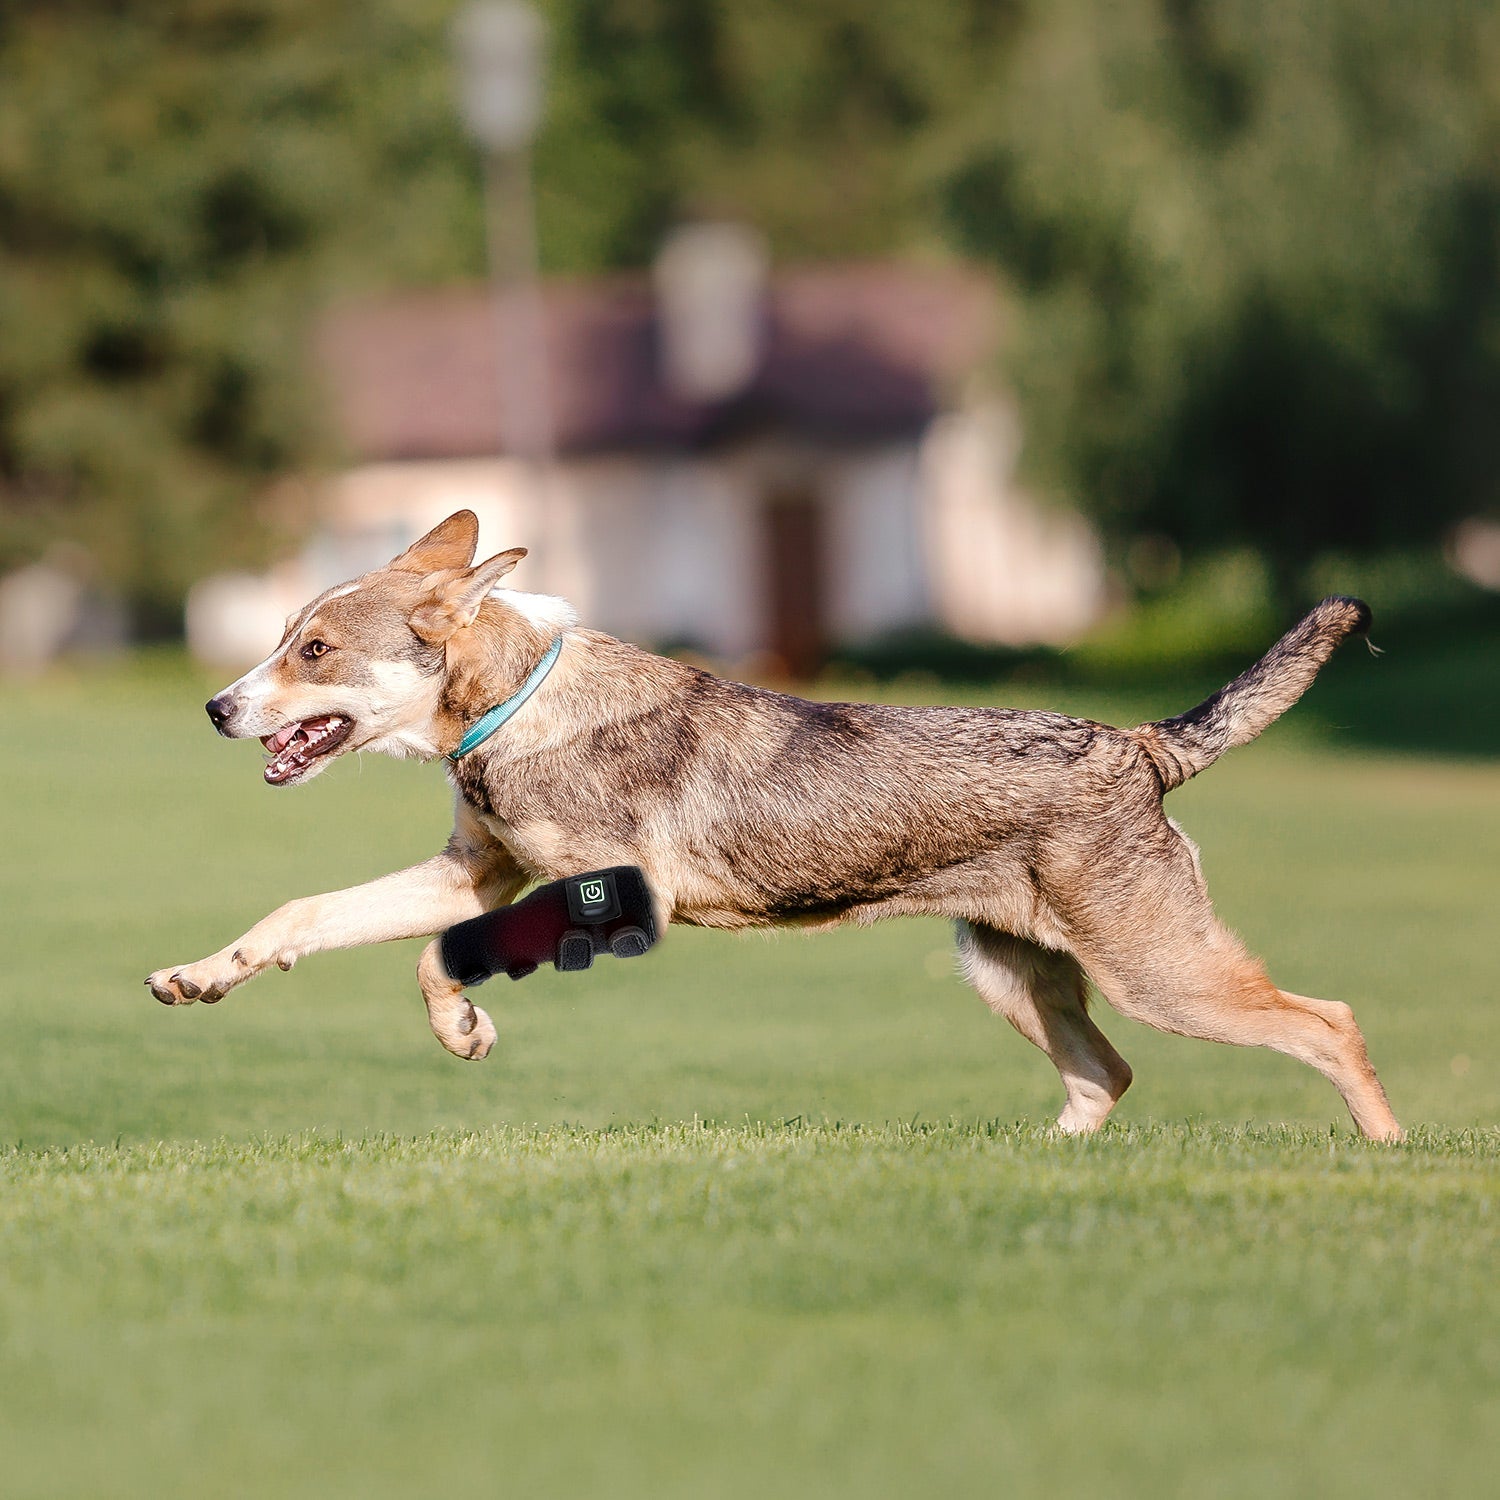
(173, 987)
(166, 987)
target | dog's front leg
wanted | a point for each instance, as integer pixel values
(459, 1024)
(449, 1011)
(461, 882)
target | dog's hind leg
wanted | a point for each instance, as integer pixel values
(1182, 971)
(1043, 994)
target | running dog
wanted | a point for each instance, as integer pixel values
(1042, 837)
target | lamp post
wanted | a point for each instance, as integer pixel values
(498, 48)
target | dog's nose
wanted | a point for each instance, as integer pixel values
(219, 710)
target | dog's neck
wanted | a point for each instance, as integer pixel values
(487, 663)
(598, 682)
(546, 612)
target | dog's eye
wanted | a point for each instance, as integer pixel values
(314, 649)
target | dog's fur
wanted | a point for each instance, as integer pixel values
(1042, 836)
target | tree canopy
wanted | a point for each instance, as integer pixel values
(1252, 247)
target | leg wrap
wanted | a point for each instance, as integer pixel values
(565, 923)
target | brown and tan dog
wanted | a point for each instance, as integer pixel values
(1043, 837)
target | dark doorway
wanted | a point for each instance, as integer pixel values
(795, 543)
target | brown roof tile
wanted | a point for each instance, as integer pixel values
(852, 351)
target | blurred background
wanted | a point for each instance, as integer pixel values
(806, 337)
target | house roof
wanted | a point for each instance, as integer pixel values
(850, 352)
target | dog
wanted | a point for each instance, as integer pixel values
(1042, 837)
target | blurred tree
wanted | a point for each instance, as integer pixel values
(1257, 246)
(181, 184)
(807, 119)
(1253, 246)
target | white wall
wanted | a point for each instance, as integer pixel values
(1003, 568)
(669, 547)
(877, 562)
(648, 548)
(668, 544)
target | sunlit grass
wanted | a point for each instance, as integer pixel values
(749, 1216)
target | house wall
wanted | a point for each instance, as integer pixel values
(657, 548)
(649, 548)
(674, 547)
(668, 547)
(878, 574)
(369, 513)
(1003, 569)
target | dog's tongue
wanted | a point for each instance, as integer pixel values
(278, 742)
(293, 747)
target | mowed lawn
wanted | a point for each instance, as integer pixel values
(752, 1215)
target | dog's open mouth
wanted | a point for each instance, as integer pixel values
(299, 743)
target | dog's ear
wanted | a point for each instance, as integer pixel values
(450, 544)
(453, 596)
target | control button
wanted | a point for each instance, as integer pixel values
(592, 898)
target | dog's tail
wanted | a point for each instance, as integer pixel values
(1193, 741)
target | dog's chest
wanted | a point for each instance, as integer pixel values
(549, 815)
(538, 843)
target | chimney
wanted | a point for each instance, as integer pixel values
(710, 295)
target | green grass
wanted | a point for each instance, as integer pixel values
(752, 1215)
(744, 1311)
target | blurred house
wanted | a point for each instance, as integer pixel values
(746, 463)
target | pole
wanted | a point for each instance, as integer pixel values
(520, 325)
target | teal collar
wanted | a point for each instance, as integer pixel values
(484, 727)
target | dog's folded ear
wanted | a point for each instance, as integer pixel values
(450, 544)
(453, 596)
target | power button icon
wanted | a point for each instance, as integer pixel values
(592, 898)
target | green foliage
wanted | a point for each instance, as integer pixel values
(1257, 247)
(181, 186)
(804, 119)
(1252, 247)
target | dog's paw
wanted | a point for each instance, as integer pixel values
(462, 1028)
(184, 983)
(465, 1030)
(482, 1035)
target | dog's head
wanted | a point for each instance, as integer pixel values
(365, 665)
